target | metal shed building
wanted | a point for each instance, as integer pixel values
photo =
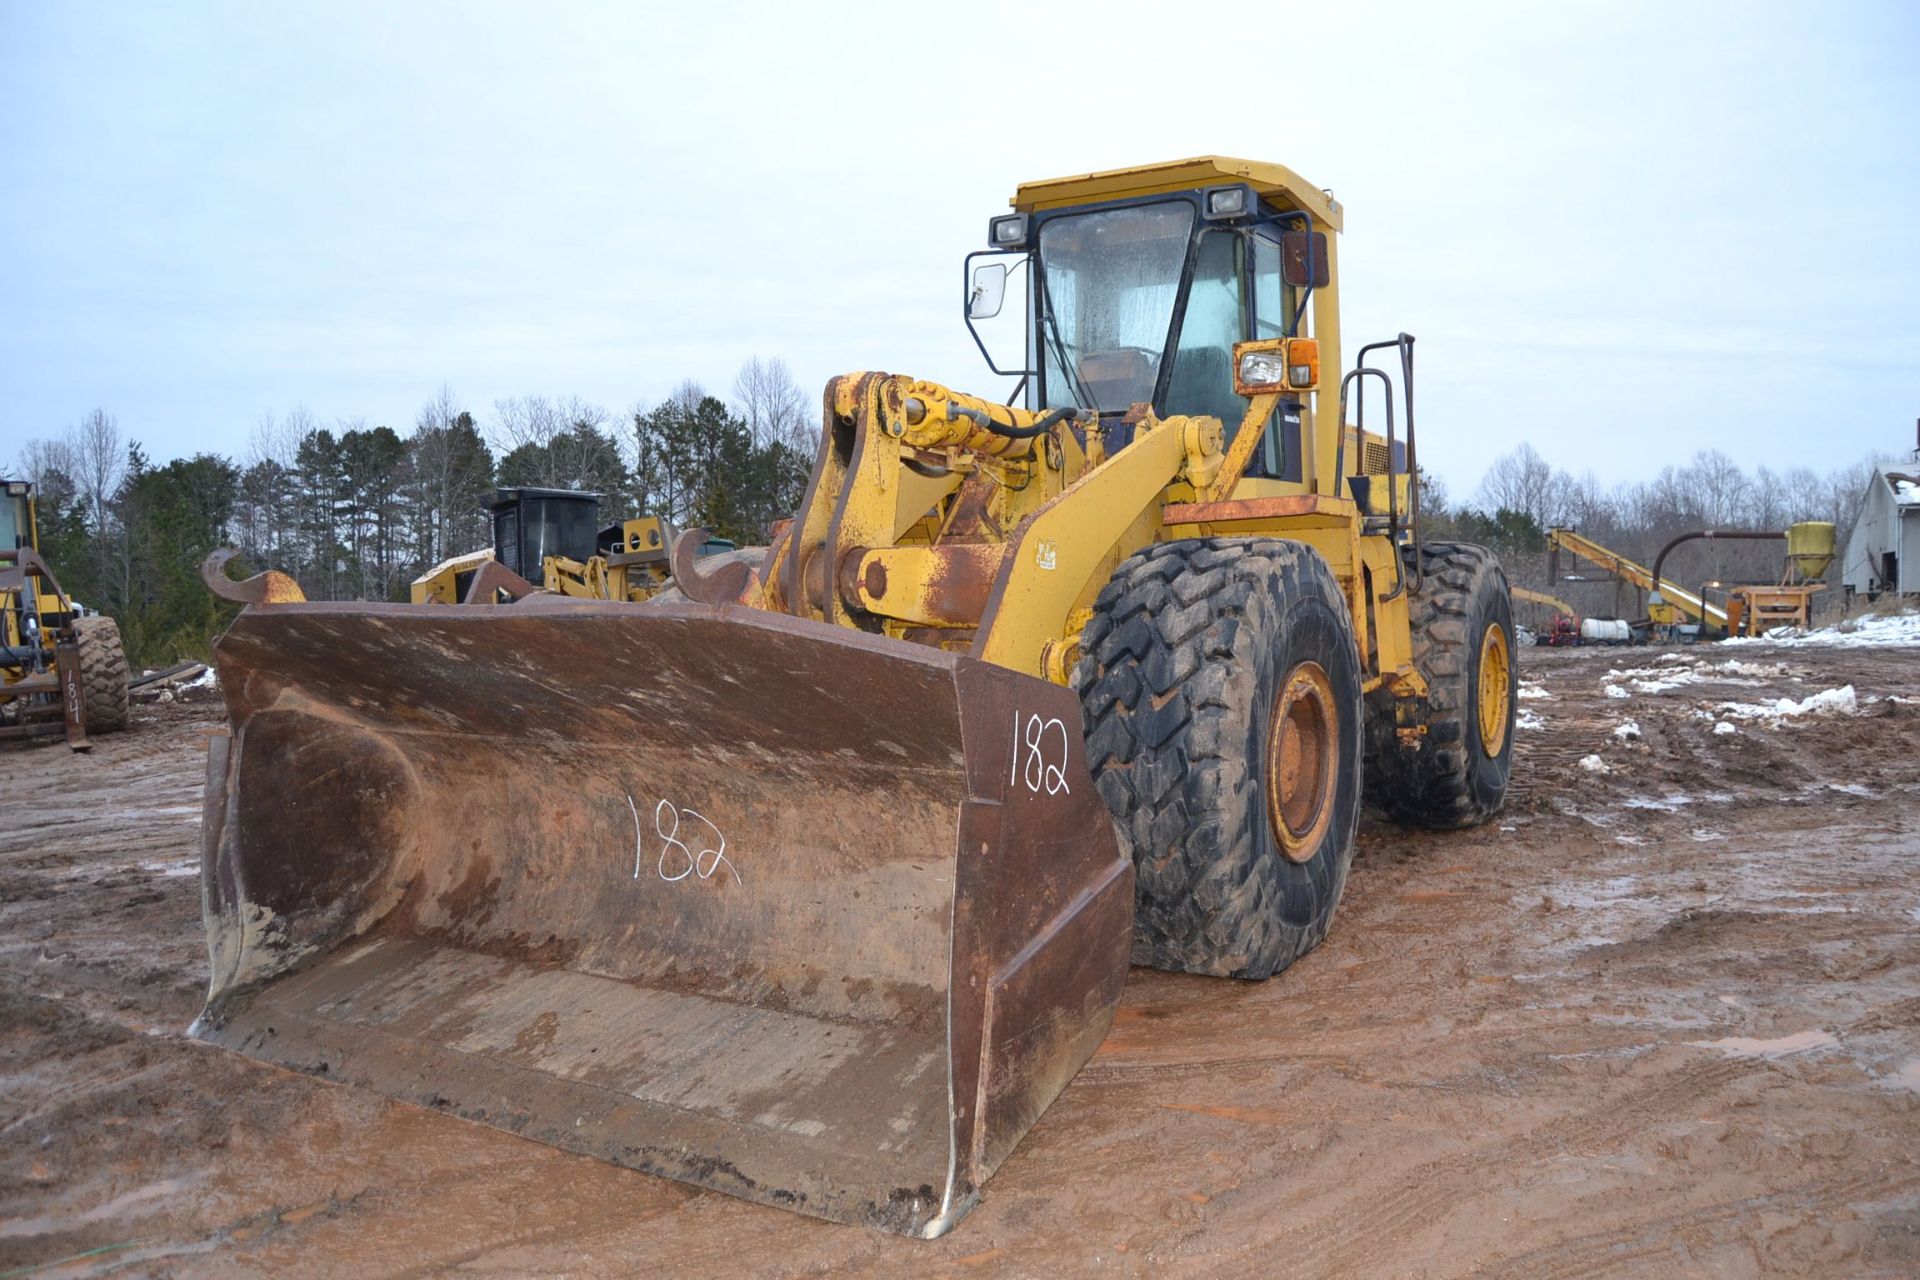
(1883, 551)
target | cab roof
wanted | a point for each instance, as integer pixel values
(1277, 184)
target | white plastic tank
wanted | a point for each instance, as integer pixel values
(1605, 631)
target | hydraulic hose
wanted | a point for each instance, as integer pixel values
(982, 418)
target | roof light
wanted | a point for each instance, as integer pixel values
(1229, 202)
(1009, 231)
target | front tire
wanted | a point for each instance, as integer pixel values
(1220, 686)
(1443, 762)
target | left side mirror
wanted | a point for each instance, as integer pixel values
(1303, 259)
(989, 291)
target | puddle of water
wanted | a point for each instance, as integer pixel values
(1745, 1047)
(183, 867)
(1662, 804)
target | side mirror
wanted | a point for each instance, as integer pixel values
(1303, 259)
(989, 291)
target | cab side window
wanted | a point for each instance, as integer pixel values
(1272, 299)
(1216, 318)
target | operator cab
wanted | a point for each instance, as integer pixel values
(16, 514)
(1138, 303)
(531, 524)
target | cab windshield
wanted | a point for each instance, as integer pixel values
(1111, 279)
(13, 522)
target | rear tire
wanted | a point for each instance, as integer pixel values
(103, 674)
(1451, 771)
(1221, 691)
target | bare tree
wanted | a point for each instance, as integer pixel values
(451, 468)
(1806, 495)
(1769, 499)
(1521, 481)
(41, 458)
(103, 462)
(772, 404)
(521, 422)
(1721, 493)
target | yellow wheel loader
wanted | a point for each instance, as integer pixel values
(557, 532)
(62, 670)
(816, 878)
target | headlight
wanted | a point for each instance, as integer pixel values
(1276, 364)
(1264, 369)
(1008, 231)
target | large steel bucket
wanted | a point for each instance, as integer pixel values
(793, 912)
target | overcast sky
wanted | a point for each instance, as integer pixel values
(1621, 232)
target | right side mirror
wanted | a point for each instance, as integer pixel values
(989, 291)
(1303, 259)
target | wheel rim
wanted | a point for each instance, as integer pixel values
(1302, 761)
(1495, 668)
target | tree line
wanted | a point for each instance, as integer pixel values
(1522, 496)
(353, 511)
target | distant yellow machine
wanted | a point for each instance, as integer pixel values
(62, 670)
(557, 532)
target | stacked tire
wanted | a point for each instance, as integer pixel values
(103, 674)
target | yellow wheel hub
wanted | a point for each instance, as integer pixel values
(1303, 768)
(1496, 669)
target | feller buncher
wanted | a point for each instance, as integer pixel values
(61, 671)
(556, 533)
(816, 879)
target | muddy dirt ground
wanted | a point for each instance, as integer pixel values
(1662, 1019)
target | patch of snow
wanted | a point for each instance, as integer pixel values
(1851, 789)
(1528, 689)
(1594, 764)
(1660, 680)
(1872, 631)
(1735, 667)
(1529, 719)
(1828, 702)
(1614, 691)
(1723, 728)
(1704, 836)
(205, 680)
(1627, 730)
